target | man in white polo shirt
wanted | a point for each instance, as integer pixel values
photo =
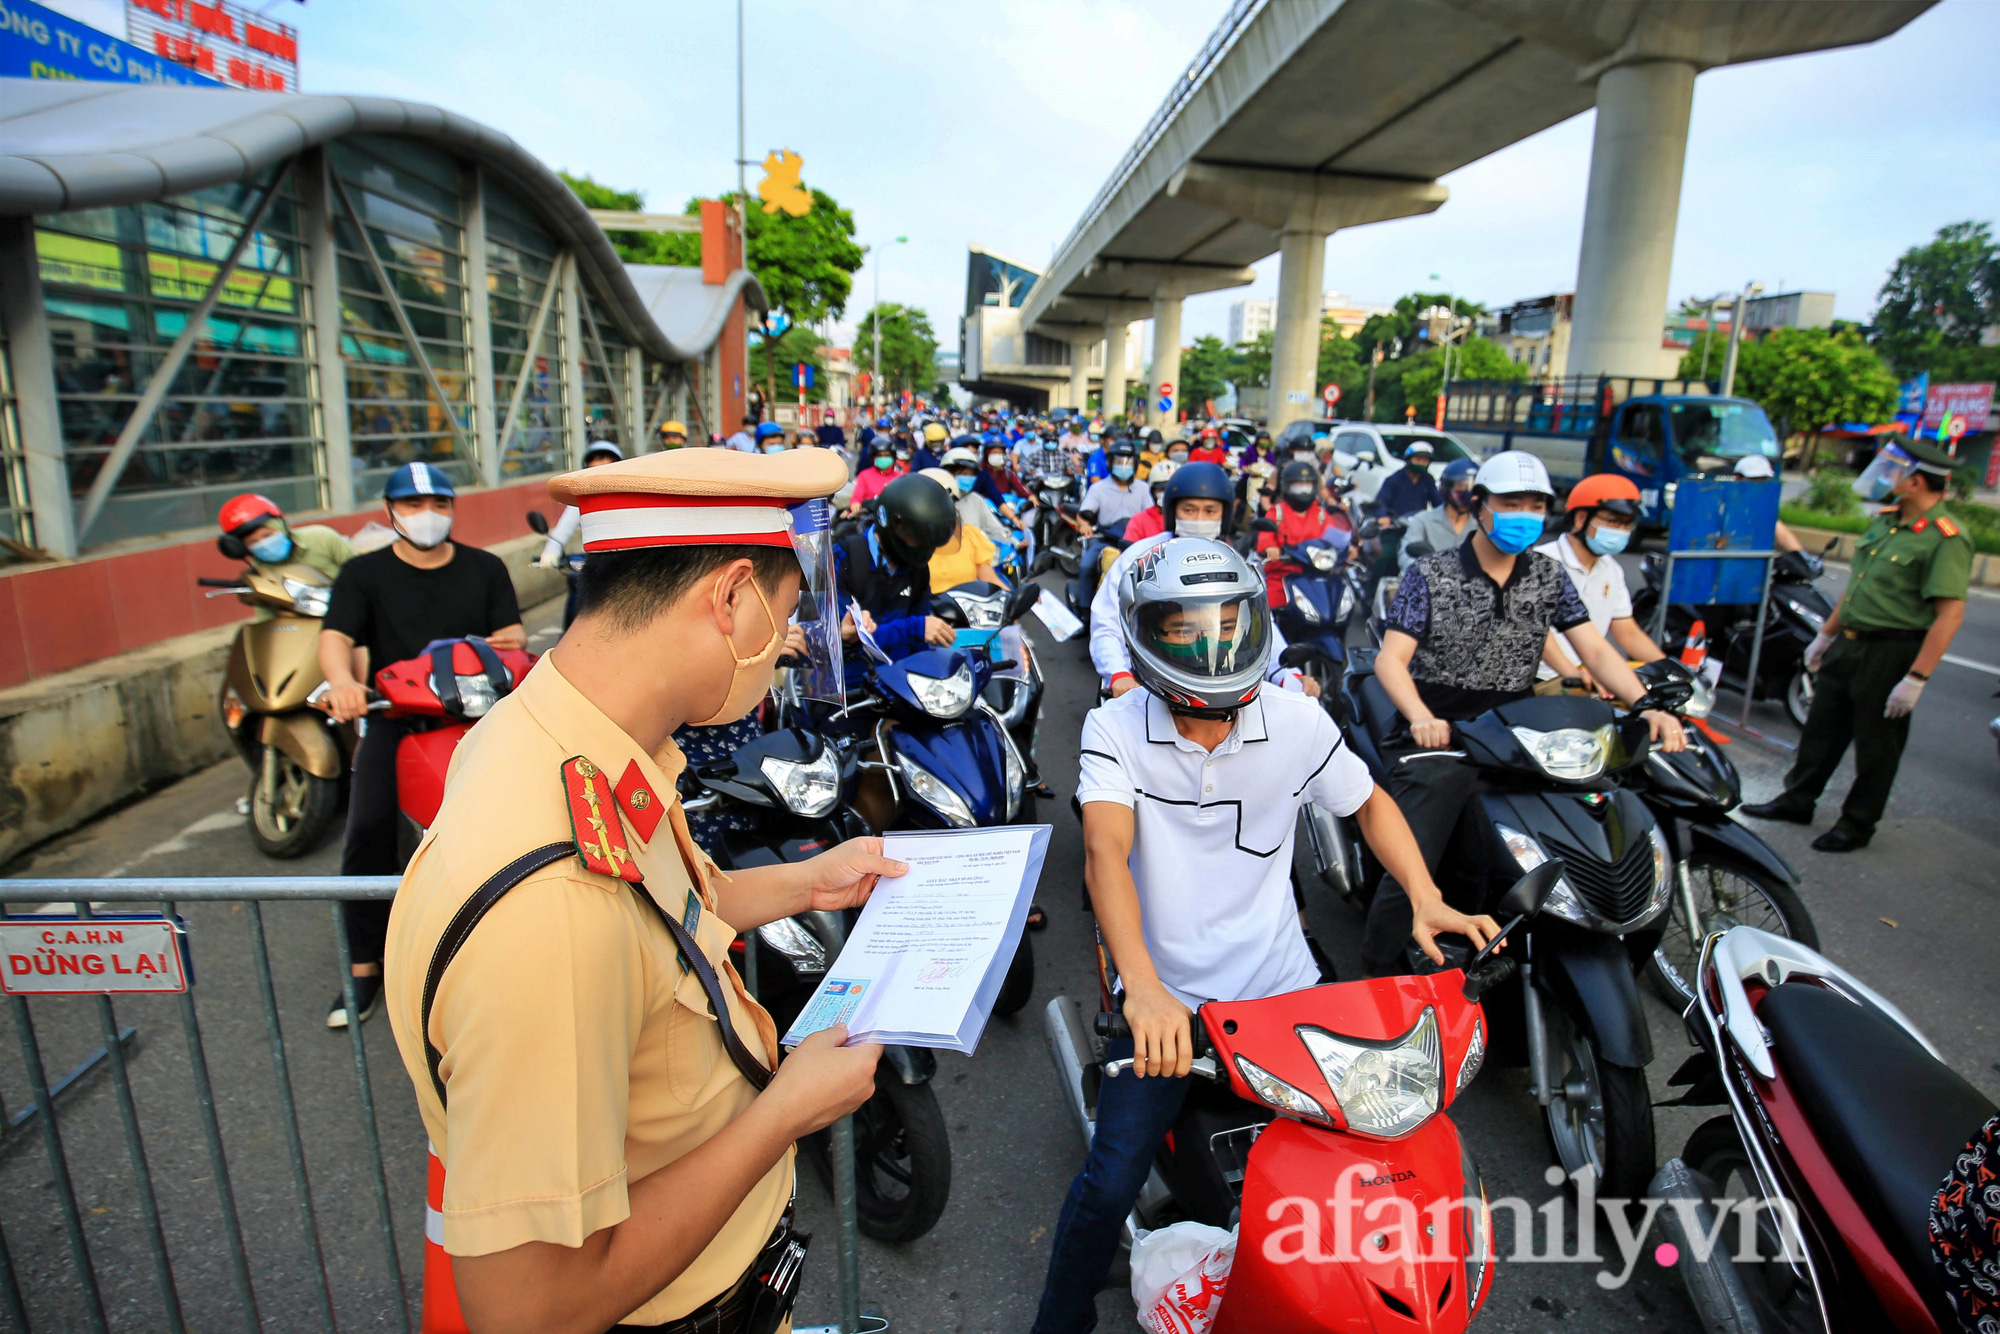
(1191, 787)
(1597, 524)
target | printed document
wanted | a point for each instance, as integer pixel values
(928, 956)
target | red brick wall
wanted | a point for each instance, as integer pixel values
(55, 617)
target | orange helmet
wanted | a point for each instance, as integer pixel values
(244, 514)
(1605, 491)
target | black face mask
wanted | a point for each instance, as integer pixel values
(1416, 468)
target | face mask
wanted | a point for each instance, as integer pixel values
(1178, 455)
(272, 549)
(996, 460)
(1608, 541)
(884, 462)
(965, 484)
(1198, 528)
(1416, 468)
(774, 449)
(1514, 533)
(1459, 499)
(1299, 498)
(752, 679)
(424, 529)
(1123, 471)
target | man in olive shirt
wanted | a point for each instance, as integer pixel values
(1903, 605)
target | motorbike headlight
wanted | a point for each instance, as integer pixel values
(806, 951)
(1662, 873)
(308, 599)
(1279, 1094)
(1562, 902)
(1325, 558)
(1568, 754)
(810, 788)
(1385, 1089)
(1303, 605)
(1798, 609)
(935, 793)
(1346, 601)
(943, 697)
(980, 613)
(1475, 1056)
(475, 694)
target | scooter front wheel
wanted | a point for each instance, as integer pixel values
(1727, 893)
(1784, 1304)
(1019, 987)
(902, 1160)
(1799, 696)
(290, 809)
(1601, 1116)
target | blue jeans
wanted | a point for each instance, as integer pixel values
(1087, 569)
(1133, 1117)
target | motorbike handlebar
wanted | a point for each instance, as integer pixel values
(205, 582)
(1202, 1067)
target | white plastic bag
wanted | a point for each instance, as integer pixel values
(1178, 1274)
(371, 536)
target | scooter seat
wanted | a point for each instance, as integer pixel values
(1378, 711)
(1893, 1118)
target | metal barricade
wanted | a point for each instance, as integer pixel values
(176, 1244)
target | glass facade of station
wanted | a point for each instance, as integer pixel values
(250, 409)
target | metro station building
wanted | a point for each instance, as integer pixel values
(205, 292)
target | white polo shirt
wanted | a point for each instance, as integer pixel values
(1212, 848)
(1602, 588)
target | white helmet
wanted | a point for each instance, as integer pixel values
(1160, 474)
(1513, 472)
(1195, 622)
(1754, 468)
(957, 456)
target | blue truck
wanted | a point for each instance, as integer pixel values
(1655, 432)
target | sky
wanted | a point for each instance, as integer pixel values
(994, 124)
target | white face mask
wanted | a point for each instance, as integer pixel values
(424, 529)
(1198, 528)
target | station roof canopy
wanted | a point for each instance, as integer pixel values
(75, 145)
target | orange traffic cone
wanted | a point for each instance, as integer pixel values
(1695, 651)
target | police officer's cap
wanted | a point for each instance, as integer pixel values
(1929, 456)
(695, 497)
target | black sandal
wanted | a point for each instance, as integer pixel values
(1037, 919)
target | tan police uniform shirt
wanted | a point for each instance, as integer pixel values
(578, 1057)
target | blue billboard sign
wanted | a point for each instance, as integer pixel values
(38, 43)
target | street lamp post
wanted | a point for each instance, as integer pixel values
(1450, 326)
(875, 376)
(1736, 324)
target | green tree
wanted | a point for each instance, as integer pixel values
(1339, 363)
(1250, 363)
(1808, 379)
(632, 247)
(798, 343)
(1940, 298)
(1476, 359)
(1204, 371)
(909, 348)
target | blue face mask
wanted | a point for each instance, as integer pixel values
(1123, 471)
(965, 484)
(1608, 541)
(1514, 533)
(272, 549)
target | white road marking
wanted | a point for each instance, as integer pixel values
(181, 842)
(1986, 667)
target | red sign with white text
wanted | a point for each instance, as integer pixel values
(229, 42)
(68, 956)
(1971, 401)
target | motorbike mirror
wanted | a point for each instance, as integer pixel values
(539, 522)
(1264, 525)
(232, 546)
(1521, 902)
(1831, 543)
(1022, 601)
(1344, 459)
(1669, 696)
(1416, 549)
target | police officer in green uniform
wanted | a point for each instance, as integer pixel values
(1903, 605)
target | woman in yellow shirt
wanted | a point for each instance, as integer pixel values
(968, 555)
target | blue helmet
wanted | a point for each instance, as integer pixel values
(765, 430)
(1198, 481)
(417, 479)
(1458, 470)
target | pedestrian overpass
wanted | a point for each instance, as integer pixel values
(1301, 117)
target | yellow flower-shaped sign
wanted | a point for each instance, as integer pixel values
(780, 188)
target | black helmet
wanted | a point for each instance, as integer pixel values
(1198, 481)
(1121, 449)
(1153, 436)
(914, 517)
(1298, 483)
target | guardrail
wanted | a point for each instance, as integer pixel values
(103, 967)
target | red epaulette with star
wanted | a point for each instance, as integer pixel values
(593, 817)
(1946, 526)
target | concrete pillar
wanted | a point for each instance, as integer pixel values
(36, 412)
(1114, 367)
(1295, 327)
(1079, 372)
(329, 364)
(1166, 359)
(1636, 157)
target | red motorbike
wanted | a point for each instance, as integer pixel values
(1317, 1129)
(451, 685)
(1843, 1125)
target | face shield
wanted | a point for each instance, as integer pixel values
(1206, 640)
(819, 675)
(1884, 473)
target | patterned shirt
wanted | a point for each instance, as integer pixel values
(1478, 642)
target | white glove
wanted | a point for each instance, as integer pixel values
(1816, 650)
(551, 556)
(1903, 698)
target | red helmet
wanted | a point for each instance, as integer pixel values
(244, 514)
(1606, 491)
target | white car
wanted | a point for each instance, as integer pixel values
(1367, 452)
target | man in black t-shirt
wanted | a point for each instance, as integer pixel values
(1464, 635)
(391, 603)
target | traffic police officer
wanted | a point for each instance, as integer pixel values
(610, 1144)
(1904, 602)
